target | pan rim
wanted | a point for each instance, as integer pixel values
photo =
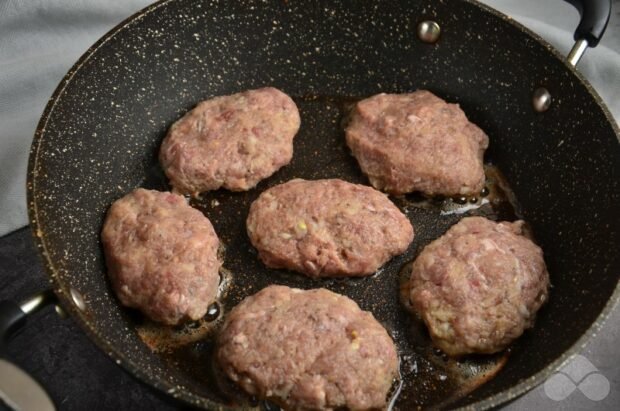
(182, 393)
(556, 53)
(59, 287)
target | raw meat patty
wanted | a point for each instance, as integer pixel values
(307, 350)
(479, 286)
(231, 141)
(417, 142)
(326, 228)
(161, 256)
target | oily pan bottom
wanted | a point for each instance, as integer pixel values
(427, 376)
(99, 136)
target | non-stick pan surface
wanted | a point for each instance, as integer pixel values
(99, 136)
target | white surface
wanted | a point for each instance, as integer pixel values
(39, 41)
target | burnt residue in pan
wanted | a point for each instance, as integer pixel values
(428, 378)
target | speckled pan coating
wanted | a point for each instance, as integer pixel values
(99, 135)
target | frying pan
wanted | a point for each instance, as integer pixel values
(100, 133)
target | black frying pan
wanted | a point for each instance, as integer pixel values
(100, 133)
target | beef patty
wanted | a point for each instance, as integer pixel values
(307, 350)
(161, 256)
(417, 142)
(230, 141)
(479, 286)
(327, 228)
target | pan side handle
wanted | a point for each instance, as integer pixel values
(13, 315)
(18, 390)
(594, 18)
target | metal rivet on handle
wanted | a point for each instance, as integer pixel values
(429, 31)
(541, 99)
(78, 299)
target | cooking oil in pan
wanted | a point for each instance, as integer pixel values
(461, 375)
(162, 339)
(168, 339)
(428, 379)
(496, 201)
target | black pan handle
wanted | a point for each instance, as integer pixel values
(594, 18)
(18, 390)
(12, 318)
(13, 315)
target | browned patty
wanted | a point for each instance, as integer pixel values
(230, 141)
(479, 286)
(161, 256)
(417, 142)
(326, 228)
(307, 350)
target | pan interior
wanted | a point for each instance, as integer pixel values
(99, 138)
(426, 376)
